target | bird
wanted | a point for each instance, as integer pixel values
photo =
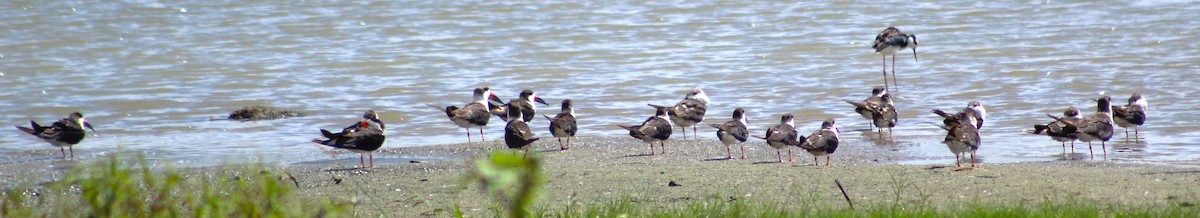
(689, 111)
(1059, 131)
(885, 115)
(654, 129)
(563, 125)
(474, 114)
(66, 132)
(733, 132)
(781, 136)
(1094, 127)
(961, 137)
(887, 43)
(517, 133)
(366, 136)
(822, 142)
(525, 101)
(974, 110)
(1132, 114)
(864, 107)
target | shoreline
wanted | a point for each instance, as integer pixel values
(600, 170)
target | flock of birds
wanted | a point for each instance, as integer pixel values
(962, 127)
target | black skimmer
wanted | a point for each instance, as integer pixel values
(864, 108)
(1059, 131)
(733, 132)
(961, 137)
(822, 142)
(65, 133)
(563, 124)
(975, 113)
(366, 136)
(781, 136)
(689, 111)
(517, 134)
(1094, 127)
(1132, 114)
(887, 43)
(525, 101)
(654, 129)
(882, 113)
(474, 114)
(526, 104)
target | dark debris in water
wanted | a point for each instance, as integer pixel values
(261, 113)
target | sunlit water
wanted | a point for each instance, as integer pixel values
(151, 75)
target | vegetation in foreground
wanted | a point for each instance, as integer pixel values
(109, 188)
(513, 181)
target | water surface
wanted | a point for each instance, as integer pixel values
(152, 75)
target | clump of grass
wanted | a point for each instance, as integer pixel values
(108, 189)
(511, 179)
(261, 113)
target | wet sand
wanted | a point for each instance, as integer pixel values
(599, 170)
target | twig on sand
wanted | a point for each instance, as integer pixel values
(839, 184)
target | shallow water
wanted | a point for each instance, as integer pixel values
(151, 75)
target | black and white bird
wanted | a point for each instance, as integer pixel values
(962, 137)
(887, 43)
(525, 101)
(363, 137)
(733, 132)
(689, 111)
(885, 116)
(517, 133)
(563, 125)
(654, 129)
(975, 114)
(781, 136)
(65, 133)
(1133, 114)
(1094, 127)
(822, 142)
(864, 107)
(474, 114)
(1059, 131)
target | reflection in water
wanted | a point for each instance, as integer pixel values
(151, 75)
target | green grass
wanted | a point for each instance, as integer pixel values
(109, 188)
(717, 207)
(512, 177)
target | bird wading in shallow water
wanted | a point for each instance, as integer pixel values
(1094, 127)
(1132, 114)
(887, 43)
(689, 111)
(65, 133)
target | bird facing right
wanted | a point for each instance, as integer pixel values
(1132, 114)
(1094, 127)
(822, 142)
(887, 43)
(654, 129)
(781, 136)
(65, 133)
(733, 132)
(563, 125)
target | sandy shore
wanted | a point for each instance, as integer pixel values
(604, 169)
(598, 170)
